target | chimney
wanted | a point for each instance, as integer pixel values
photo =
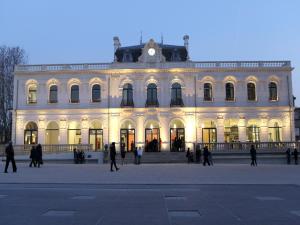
(117, 45)
(186, 45)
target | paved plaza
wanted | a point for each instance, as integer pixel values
(156, 194)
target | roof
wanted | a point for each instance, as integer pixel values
(172, 53)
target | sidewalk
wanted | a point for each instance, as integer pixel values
(153, 174)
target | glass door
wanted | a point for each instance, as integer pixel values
(177, 139)
(128, 137)
(96, 139)
(152, 140)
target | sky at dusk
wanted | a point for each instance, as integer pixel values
(73, 31)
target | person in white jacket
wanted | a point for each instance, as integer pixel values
(139, 154)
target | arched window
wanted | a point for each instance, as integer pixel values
(152, 95)
(96, 93)
(253, 133)
(229, 91)
(31, 134)
(251, 92)
(275, 132)
(207, 92)
(53, 94)
(127, 96)
(273, 91)
(75, 93)
(176, 97)
(32, 98)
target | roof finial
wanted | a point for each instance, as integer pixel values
(162, 38)
(141, 38)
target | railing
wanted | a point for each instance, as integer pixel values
(25, 149)
(245, 146)
(167, 65)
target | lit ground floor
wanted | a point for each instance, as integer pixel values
(160, 129)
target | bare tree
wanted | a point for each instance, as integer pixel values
(9, 57)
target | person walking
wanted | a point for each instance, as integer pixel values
(210, 158)
(123, 152)
(198, 153)
(39, 155)
(288, 156)
(296, 156)
(205, 156)
(10, 156)
(135, 152)
(113, 157)
(188, 155)
(139, 153)
(253, 156)
(33, 156)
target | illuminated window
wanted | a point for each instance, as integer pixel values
(152, 95)
(251, 92)
(275, 132)
(32, 98)
(207, 92)
(53, 94)
(176, 95)
(127, 96)
(96, 93)
(229, 91)
(273, 91)
(75, 93)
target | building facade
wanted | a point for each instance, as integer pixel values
(153, 95)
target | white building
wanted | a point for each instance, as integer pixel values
(153, 91)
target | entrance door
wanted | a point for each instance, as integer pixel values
(177, 139)
(209, 135)
(152, 140)
(128, 137)
(96, 139)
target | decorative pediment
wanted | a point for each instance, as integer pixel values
(152, 53)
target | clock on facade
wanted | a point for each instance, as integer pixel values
(151, 51)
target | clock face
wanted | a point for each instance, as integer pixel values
(151, 51)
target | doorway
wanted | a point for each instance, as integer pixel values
(177, 139)
(152, 140)
(127, 136)
(96, 139)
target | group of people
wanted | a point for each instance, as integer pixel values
(36, 156)
(178, 144)
(153, 146)
(207, 156)
(138, 152)
(79, 156)
(289, 155)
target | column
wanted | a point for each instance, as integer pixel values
(140, 130)
(164, 132)
(63, 136)
(41, 131)
(190, 130)
(114, 128)
(19, 131)
(84, 131)
(264, 130)
(242, 129)
(220, 129)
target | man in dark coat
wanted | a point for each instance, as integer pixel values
(205, 156)
(10, 156)
(296, 156)
(33, 156)
(253, 156)
(113, 157)
(288, 156)
(39, 155)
